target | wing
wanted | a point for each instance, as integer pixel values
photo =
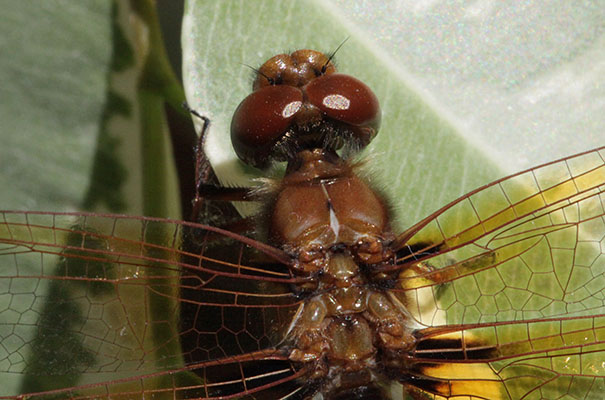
(520, 263)
(108, 305)
(532, 359)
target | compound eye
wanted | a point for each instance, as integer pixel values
(345, 99)
(261, 120)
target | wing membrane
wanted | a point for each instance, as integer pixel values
(510, 199)
(88, 298)
(538, 261)
(520, 263)
(515, 360)
(252, 376)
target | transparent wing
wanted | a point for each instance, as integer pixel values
(533, 359)
(262, 375)
(528, 246)
(521, 264)
(140, 304)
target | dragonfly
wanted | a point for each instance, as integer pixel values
(498, 295)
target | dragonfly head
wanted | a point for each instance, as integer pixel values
(300, 103)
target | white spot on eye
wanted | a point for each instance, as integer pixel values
(291, 108)
(337, 102)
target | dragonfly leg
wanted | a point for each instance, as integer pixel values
(206, 184)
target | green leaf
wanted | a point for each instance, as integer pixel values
(83, 128)
(80, 116)
(54, 87)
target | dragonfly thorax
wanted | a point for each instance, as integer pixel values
(322, 203)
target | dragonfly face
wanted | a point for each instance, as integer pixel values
(498, 295)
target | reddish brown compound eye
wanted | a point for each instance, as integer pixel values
(346, 99)
(261, 120)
